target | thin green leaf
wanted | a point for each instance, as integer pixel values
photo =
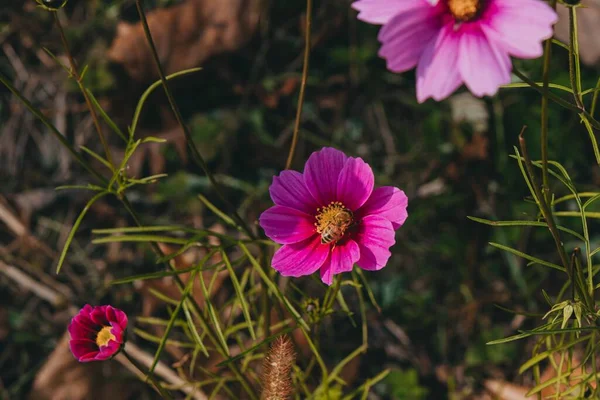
(217, 212)
(80, 187)
(213, 315)
(526, 85)
(163, 342)
(151, 88)
(71, 235)
(338, 368)
(141, 238)
(239, 293)
(526, 314)
(192, 327)
(527, 256)
(105, 116)
(97, 157)
(525, 223)
(274, 288)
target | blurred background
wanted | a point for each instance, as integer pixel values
(439, 292)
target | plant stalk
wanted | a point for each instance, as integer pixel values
(78, 78)
(196, 156)
(294, 143)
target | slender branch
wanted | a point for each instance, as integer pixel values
(574, 69)
(79, 79)
(212, 335)
(196, 156)
(294, 143)
(544, 208)
(595, 98)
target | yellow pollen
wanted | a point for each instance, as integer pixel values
(104, 336)
(329, 215)
(464, 10)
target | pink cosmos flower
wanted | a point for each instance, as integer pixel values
(329, 217)
(452, 42)
(97, 333)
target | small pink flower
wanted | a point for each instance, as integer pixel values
(329, 217)
(97, 333)
(452, 42)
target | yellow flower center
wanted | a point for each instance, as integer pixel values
(332, 221)
(104, 336)
(464, 10)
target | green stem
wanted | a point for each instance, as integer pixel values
(196, 156)
(574, 67)
(595, 98)
(558, 100)
(212, 335)
(544, 208)
(294, 143)
(149, 375)
(78, 78)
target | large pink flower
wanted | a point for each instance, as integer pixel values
(329, 217)
(452, 42)
(97, 333)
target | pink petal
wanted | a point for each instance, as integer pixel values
(83, 348)
(321, 174)
(437, 71)
(117, 332)
(108, 351)
(375, 237)
(288, 189)
(302, 258)
(286, 225)
(519, 26)
(355, 183)
(342, 259)
(388, 202)
(482, 67)
(405, 37)
(77, 330)
(98, 315)
(121, 319)
(381, 11)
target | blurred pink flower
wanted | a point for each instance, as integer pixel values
(452, 42)
(329, 217)
(97, 333)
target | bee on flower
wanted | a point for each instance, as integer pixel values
(330, 217)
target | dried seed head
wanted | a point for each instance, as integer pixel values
(277, 367)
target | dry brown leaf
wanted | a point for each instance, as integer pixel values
(185, 35)
(502, 390)
(62, 377)
(588, 21)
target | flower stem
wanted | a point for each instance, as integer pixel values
(163, 393)
(595, 98)
(199, 312)
(543, 205)
(79, 79)
(294, 143)
(574, 67)
(196, 156)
